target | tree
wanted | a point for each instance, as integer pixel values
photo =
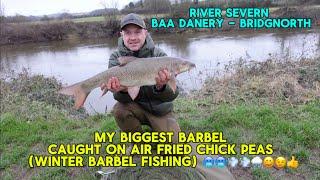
(111, 8)
(157, 6)
(65, 15)
(18, 18)
(45, 18)
(1, 9)
(1, 12)
(131, 5)
(1, 18)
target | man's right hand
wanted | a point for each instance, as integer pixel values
(113, 85)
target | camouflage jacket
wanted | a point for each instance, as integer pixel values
(149, 98)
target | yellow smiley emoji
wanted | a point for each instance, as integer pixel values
(268, 162)
(280, 162)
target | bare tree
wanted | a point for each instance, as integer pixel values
(1, 20)
(131, 5)
(157, 6)
(1, 11)
(111, 9)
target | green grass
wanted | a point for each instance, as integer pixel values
(291, 130)
(19, 138)
(89, 19)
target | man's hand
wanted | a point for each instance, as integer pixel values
(162, 78)
(113, 85)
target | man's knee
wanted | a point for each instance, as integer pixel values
(120, 111)
(125, 118)
(169, 123)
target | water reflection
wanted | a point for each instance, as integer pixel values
(74, 61)
(174, 44)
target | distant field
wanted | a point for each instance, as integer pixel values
(89, 19)
(102, 18)
(92, 19)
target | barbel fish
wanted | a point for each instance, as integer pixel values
(132, 73)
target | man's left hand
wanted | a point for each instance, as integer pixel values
(162, 78)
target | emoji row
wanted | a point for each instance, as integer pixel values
(245, 162)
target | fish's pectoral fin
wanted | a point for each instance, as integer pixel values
(133, 92)
(172, 82)
(123, 60)
(104, 92)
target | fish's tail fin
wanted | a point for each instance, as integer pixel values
(78, 92)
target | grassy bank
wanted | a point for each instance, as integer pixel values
(241, 103)
(275, 102)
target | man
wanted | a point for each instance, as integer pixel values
(153, 106)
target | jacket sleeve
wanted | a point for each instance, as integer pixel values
(158, 52)
(122, 97)
(166, 94)
(113, 60)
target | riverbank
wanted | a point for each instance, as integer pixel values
(268, 102)
(17, 33)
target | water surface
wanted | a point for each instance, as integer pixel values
(74, 61)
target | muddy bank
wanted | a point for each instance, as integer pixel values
(56, 31)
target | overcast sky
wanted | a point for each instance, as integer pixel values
(42, 7)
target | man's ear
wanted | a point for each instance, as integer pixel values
(121, 33)
(145, 31)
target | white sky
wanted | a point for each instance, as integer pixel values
(42, 7)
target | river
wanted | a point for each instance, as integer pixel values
(74, 60)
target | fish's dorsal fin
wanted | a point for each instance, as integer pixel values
(123, 60)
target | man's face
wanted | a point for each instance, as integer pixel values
(133, 36)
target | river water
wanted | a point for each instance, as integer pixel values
(73, 60)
